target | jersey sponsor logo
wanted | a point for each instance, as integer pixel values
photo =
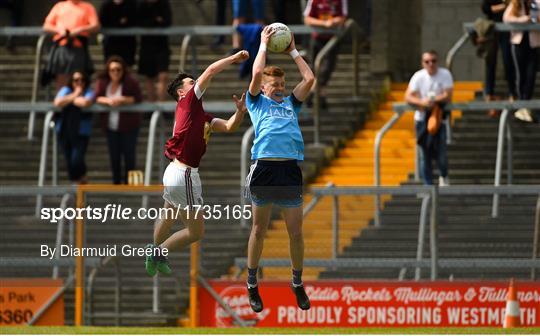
(281, 112)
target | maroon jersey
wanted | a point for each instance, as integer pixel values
(324, 10)
(191, 130)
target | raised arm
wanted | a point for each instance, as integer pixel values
(302, 89)
(260, 62)
(213, 69)
(231, 125)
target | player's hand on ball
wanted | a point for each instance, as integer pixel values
(240, 103)
(292, 46)
(266, 34)
(241, 56)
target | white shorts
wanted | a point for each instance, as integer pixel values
(182, 186)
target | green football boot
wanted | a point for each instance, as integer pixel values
(149, 264)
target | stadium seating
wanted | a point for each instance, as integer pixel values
(466, 229)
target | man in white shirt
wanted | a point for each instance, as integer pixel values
(430, 86)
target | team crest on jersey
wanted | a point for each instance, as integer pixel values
(207, 132)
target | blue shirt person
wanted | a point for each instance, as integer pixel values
(275, 177)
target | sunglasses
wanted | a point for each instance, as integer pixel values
(78, 79)
(430, 61)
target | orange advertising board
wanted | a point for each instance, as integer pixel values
(21, 299)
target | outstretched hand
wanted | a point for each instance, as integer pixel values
(240, 103)
(241, 56)
(266, 33)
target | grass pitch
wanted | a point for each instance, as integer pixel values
(258, 331)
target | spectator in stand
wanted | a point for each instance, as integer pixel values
(525, 52)
(429, 87)
(494, 10)
(71, 22)
(240, 9)
(154, 52)
(116, 87)
(221, 11)
(280, 10)
(119, 14)
(328, 14)
(15, 7)
(73, 126)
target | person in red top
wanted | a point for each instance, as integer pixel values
(182, 185)
(327, 14)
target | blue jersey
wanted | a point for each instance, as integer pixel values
(277, 133)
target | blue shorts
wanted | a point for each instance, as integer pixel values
(275, 182)
(240, 9)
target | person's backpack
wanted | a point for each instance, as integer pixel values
(435, 119)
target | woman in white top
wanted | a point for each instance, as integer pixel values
(116, 87)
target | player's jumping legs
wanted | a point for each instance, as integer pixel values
(193, 232)
(293, 219)
(261, 219)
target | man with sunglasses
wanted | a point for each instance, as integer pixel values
(428, 87)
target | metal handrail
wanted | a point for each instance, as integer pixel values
(482, 263)
(35, 79)
(186, 42)
(421, 234)
(156, 116)
(43, 159)
(377, 153)
(316, 198)
(36, 31)
(51, 300)
(468, 28)
(60, 231)
(240, 322)
(335, 226)
(244, 157)
(535, 237)
(352, 27)
(504, 127)
(117, 290)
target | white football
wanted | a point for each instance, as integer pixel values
(281, 39)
